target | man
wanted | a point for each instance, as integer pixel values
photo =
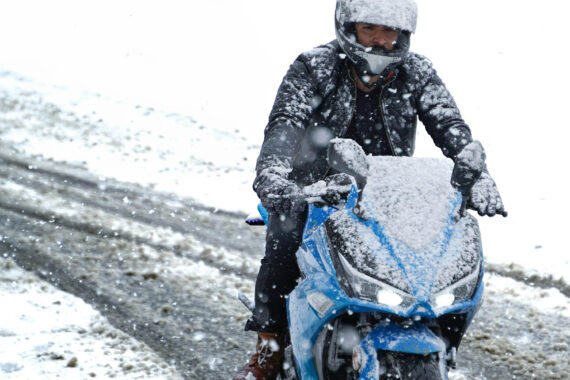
(366, 86)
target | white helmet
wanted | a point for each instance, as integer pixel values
(397, 14)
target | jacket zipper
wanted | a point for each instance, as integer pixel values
(381, 107)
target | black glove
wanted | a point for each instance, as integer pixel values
(277, 193)
(338, 187)
(485, 197)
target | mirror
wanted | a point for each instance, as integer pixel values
(346, 156)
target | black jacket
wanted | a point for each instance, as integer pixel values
(316, 102)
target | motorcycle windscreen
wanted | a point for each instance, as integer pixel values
(408, 237)
(410, 198)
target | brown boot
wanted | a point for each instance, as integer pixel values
(267, 360)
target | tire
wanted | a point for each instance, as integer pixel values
(415, 367)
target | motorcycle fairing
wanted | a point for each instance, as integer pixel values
(313, 255)
(307, 318)
(305, 323)
(453, 257)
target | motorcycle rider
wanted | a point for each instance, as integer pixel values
(365, 85)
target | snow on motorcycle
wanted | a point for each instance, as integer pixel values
(391, 274)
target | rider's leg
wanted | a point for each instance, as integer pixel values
(276, 279)
(278, 273)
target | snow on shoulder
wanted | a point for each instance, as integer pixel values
(410, 197)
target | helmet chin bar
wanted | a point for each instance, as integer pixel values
(367, 63)
(377, 63)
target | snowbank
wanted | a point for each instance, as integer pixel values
(46, 333)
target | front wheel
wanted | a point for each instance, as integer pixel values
(395, 365)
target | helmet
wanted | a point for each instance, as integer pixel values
(397, 14)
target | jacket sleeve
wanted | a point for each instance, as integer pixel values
(439, 113)
(292, 110)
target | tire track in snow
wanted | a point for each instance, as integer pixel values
(155, 306)
(159, 212)
(175, 293)
(153, 208)
(520, 332)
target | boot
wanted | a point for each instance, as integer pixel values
(267, 360)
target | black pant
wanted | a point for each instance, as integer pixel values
(278, 273)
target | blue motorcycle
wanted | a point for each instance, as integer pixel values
(391, 275)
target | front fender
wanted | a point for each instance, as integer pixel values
(415, 339)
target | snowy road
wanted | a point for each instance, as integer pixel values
(138, 257)
(166, 271)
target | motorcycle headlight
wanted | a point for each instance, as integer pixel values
(461, 291)
(359, 285)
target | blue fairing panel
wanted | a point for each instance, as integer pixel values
(264, 214)
(305, 323)
(415, 339)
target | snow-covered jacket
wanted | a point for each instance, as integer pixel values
(316, 102)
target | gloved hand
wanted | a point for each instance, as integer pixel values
(277, 193)
(485, 197)
(338, 187)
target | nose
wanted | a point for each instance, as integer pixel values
(380, 40)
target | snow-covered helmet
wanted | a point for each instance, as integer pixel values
(397, 14)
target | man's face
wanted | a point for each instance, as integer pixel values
(376, 35)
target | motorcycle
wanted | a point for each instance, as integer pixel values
(391, 275)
